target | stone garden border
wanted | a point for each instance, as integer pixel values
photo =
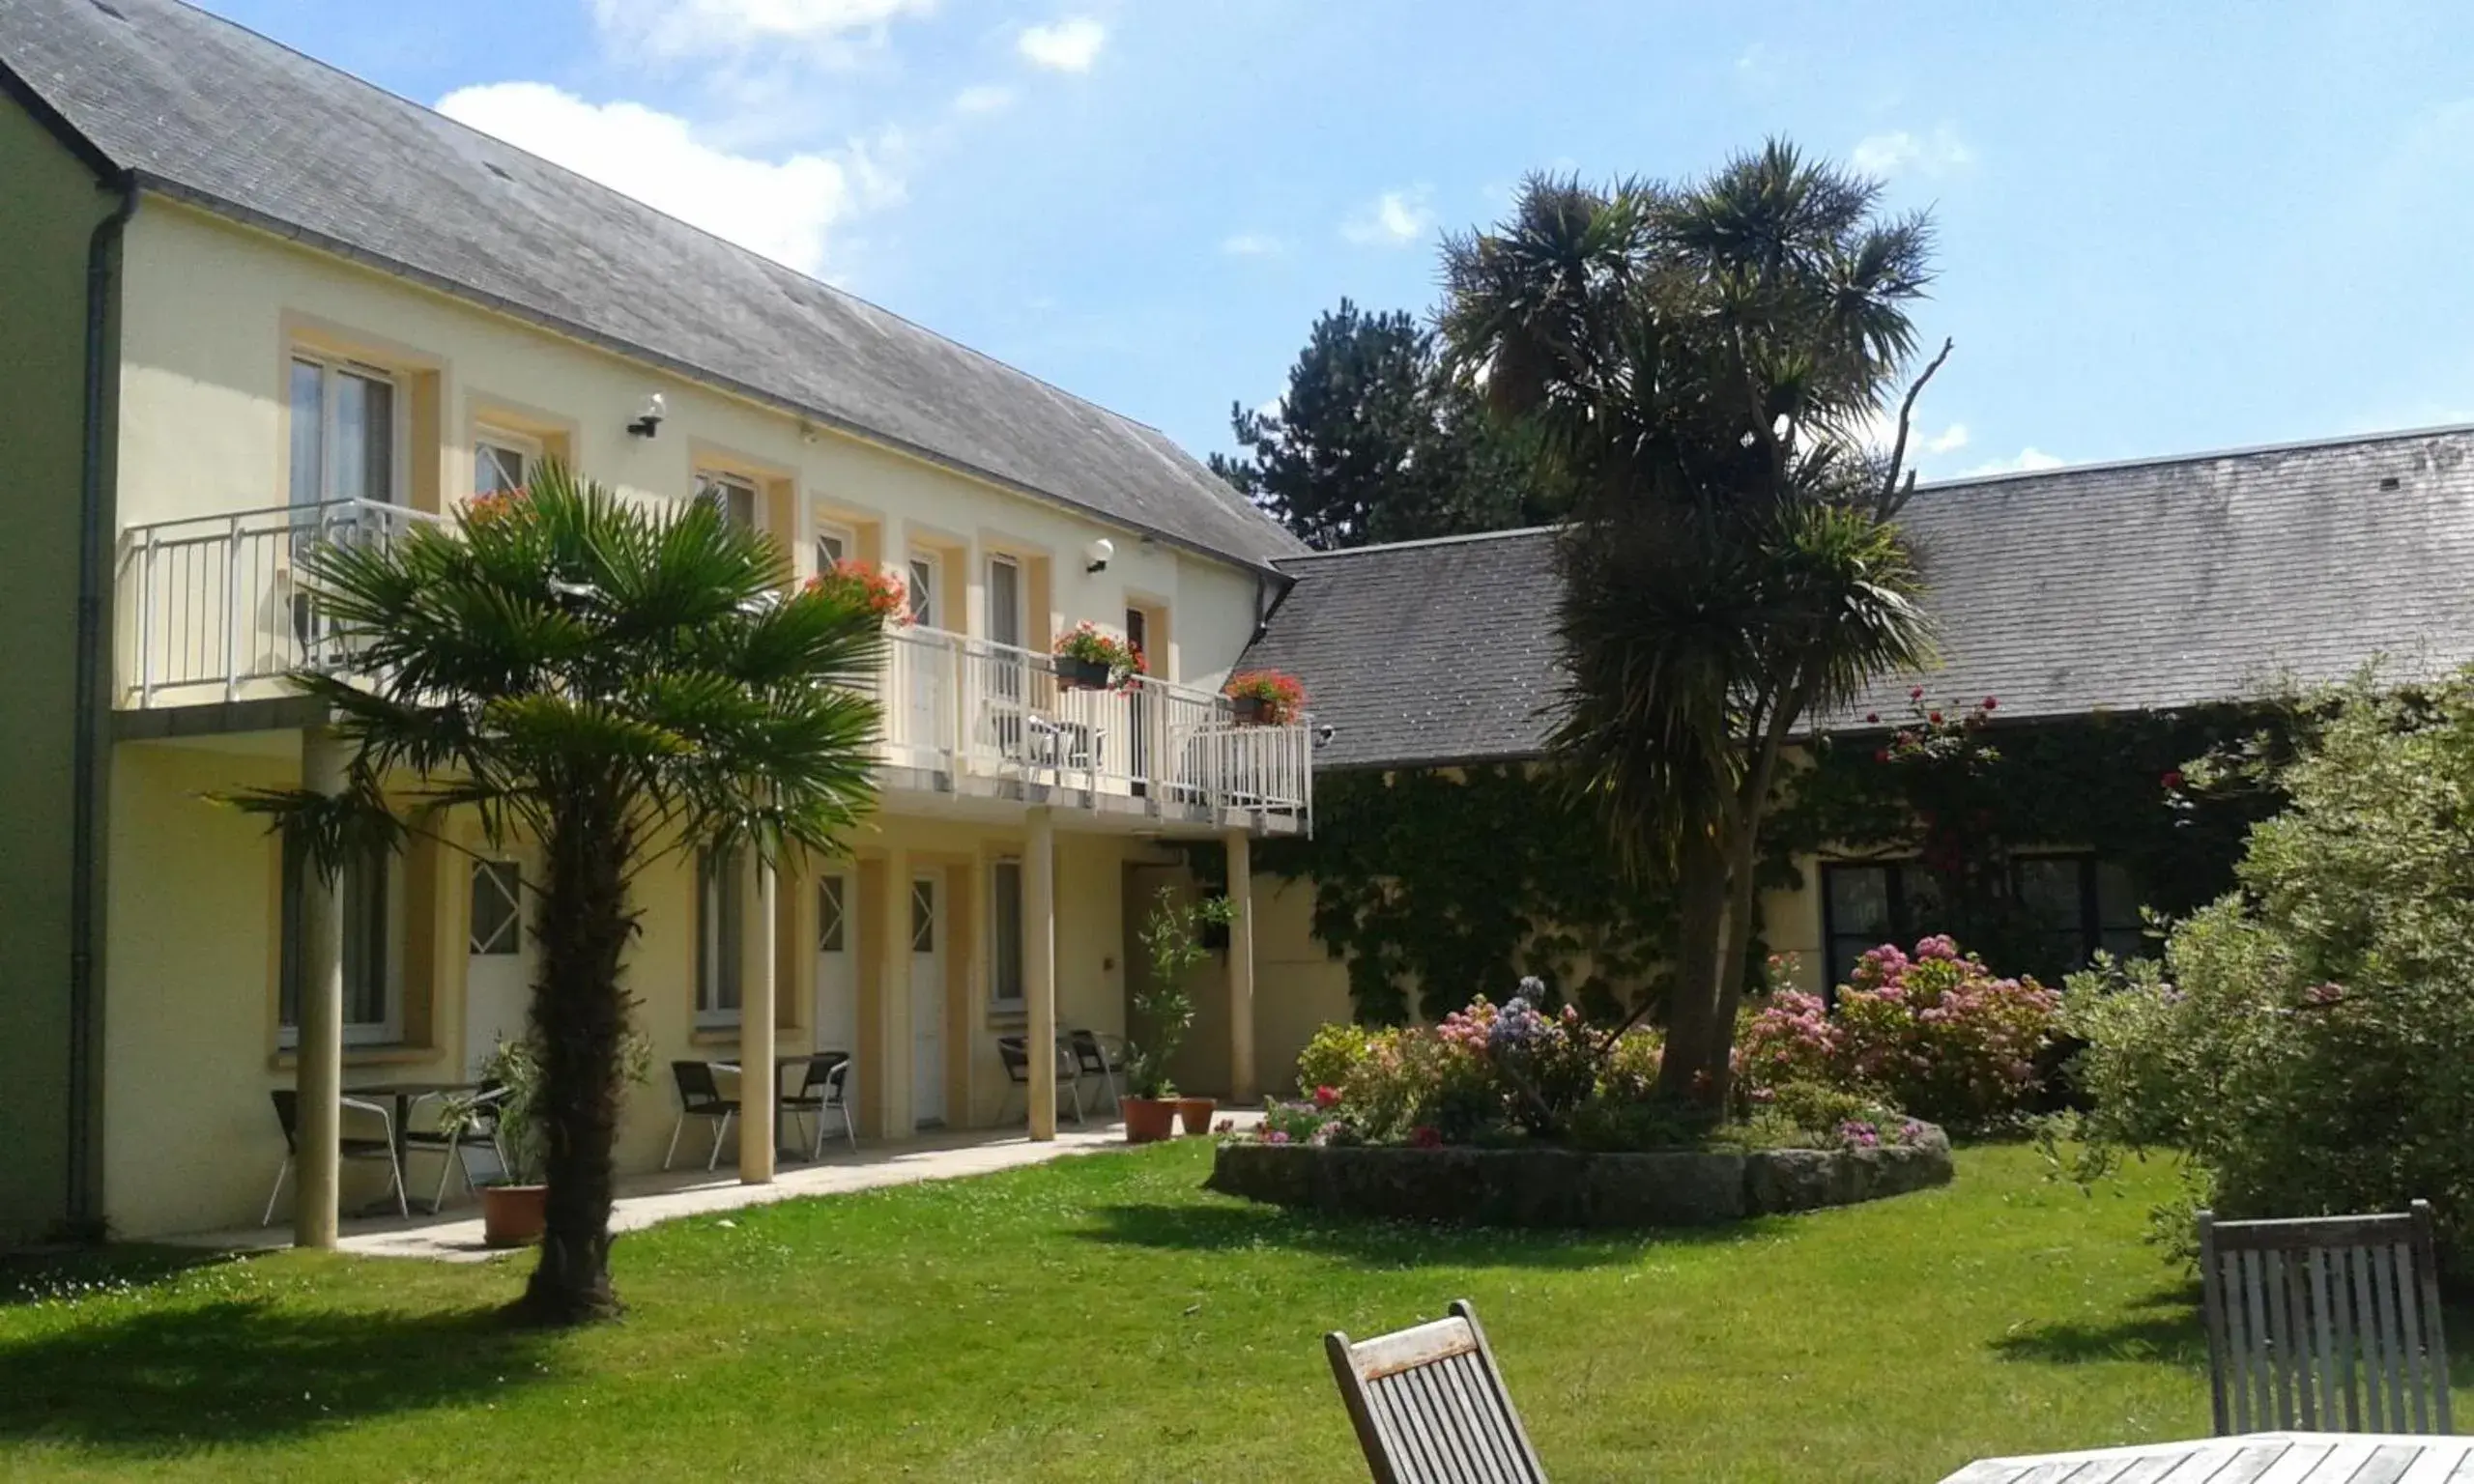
(1564, 1188)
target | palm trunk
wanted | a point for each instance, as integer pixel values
(1691, 1014)
(580, 1020)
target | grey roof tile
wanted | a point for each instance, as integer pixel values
(2137, 585)
(208, 110)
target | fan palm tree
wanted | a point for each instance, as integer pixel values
(1701, 366)
(615, 685)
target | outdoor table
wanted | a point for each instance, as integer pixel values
(404, 1098)
(2259, 1458)
(781, 1065)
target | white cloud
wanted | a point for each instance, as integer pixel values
(1901, 153)
(986, 98)
(1395, 219)
(1069, 45)
(1252, 245)
(683, 27)
(1949, 440)
(784, 209)
(2028, 461)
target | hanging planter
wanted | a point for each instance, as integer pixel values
(862, 585)
(1090, 659)
(1264, 697)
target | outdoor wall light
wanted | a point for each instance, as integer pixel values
(1099, 551)
(649, 418)
(1324, 734)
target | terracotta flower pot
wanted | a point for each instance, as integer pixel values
(1195, 1114)
(513, 1216)
(1148, 1119)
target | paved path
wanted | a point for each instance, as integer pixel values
(2260, 1458)
(455, 1234)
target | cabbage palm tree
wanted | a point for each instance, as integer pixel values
(616, 685)
(1703, 366)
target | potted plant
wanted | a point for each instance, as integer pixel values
(515, 1202)
(1172, 942)
(875, 590)
(1265, 697)
(1090, 659)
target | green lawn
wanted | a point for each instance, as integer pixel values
(1102, 1319)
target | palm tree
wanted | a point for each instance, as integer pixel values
(1701, 365)
(616, 685)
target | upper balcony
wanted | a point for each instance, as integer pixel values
(211, 612)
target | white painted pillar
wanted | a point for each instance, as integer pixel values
(318, 1067)
(894, 1100)
(755, 1092)
(1242, 1083)
(1039, 967)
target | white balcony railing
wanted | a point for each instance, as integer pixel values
(209, 610)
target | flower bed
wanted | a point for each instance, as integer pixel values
(1535, 1186)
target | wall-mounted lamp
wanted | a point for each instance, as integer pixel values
(649, 417)
(1324, 734)
(1099, 551)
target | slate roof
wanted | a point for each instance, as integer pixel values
(2144, 584)
(205, 110)
(1425, 652)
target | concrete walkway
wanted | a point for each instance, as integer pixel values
(454, 1235)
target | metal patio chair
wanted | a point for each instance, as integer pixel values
(1430, 1406)
(1014, 1052)
(2324, 1324)
(478, 1124)
(821, 1091)
(699, 1095)
(1100, 1056)
(287, 1114)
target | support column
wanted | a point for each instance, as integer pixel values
(1039, 967)
(755, 1092)
(1242, 1086)
(318, 1067)
(893, 1095)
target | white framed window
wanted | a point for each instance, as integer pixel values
(1005, 935)
(496, 924)
(347, 436)
(503, 461)
(926, 602)
(834, 543)
(733, 494)
(369, 893)
(721, 937)
(831, 914)
(1006, 620)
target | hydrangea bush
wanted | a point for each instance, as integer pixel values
(1933, 1032)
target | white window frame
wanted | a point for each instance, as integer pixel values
(997, 999)
(709, 480)
(398, 423)
(838, 534)
(721, 938)
(524, 446)
(1022, 614)
(388, 1029)
(921, 575)
(832, 913)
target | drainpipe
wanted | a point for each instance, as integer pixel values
(93, 515)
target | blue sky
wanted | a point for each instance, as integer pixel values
(2163, 228)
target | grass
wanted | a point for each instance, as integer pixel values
(1102, 1319)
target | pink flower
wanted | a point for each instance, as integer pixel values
(1325, 1096)
(1988, 702)
(1277, 1136)
(1425, 1136)
(2173, 778)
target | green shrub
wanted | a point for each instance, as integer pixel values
(2308, 1041)
(1329, 1057)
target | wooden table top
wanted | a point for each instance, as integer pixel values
(2260, 1458)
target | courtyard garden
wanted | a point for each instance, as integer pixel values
(1105, 1318)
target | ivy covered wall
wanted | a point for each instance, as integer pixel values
(1436, 886)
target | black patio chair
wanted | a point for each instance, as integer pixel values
(1014, 1052)
(821, 1091)
(699, 1095)
(380, 1150)
(479, 1126)
(1098, 1056)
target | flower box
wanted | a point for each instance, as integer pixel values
(1077, 675)
(1264, 697)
